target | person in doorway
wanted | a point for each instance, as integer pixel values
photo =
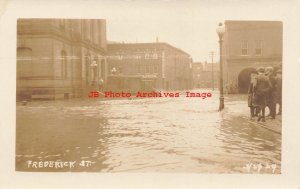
(261, 90)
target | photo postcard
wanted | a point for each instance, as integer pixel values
(172, 88)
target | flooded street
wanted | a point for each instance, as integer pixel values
(145, 135)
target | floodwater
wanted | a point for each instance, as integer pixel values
(187, 135)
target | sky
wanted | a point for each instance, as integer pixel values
(188, 25)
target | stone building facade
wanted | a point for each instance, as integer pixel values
(60, 58)
(248, 45)
(148, 66)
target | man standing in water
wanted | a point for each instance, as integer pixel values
(261, 90)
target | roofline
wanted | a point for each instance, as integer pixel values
(154, 43)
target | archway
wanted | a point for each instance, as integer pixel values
(244, 79)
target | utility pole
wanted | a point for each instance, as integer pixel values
(212, 54)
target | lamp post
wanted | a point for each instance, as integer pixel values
(220, 32)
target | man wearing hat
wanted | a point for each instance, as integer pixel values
(261, 90)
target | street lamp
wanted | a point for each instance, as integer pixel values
(220, 32)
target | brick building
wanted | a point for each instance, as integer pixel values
(59, 58)
(148, 66)
(248, 45)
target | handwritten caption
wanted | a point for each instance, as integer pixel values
(259, 167)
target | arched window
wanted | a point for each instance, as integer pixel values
(64, 66)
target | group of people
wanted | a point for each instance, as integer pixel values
(265, 90)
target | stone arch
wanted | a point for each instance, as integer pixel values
(244, 79)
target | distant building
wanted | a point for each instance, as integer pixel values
(197, 69)
(60, 58)
(247, 46)
(209, 77)
(148, 66)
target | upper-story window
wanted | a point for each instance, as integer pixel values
(244, 48)
(258, 48)
(155, 55)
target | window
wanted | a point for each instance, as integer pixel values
(147, 56)
(155, 56)
(244, 48)
(258, 48)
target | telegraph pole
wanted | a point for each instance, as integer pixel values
(212, 54)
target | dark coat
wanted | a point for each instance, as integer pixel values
(261, 90)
